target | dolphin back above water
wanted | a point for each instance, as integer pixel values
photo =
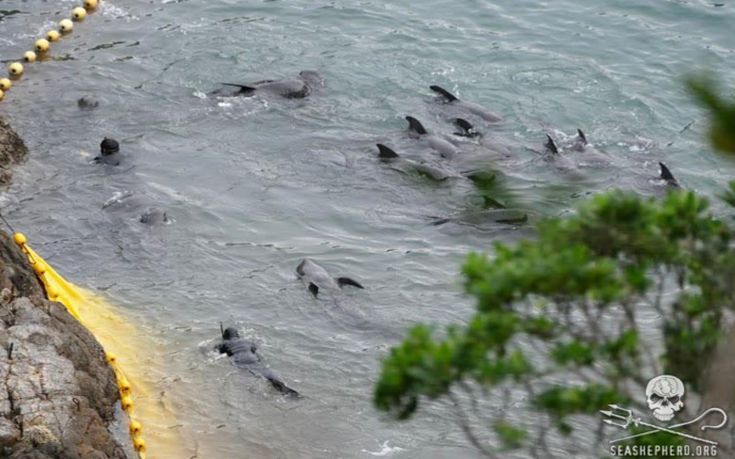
(470, 107)
(466, 129)
(289, 88)
(442, 146)
(586, 153)
(319, 279)
(388, 155)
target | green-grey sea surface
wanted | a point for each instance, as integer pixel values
(253, 185)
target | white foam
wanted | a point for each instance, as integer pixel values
(385, 450)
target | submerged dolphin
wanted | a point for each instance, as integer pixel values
(244, 355)
(388, 155)
(443, 146)
(292, 88)
(318, 278)
(155, 216)
(466, 129)
(470, 107)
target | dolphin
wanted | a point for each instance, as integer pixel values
(129, 202)
(470, 107)
(291, 88)
(387, 155)
(563, 162)
(551, 145)
(155, 216)
(668, 177)
(466, 129)
(87, 103)
(589, 154)
(318, 278)
(580, 143)
(244, 355)
(443, 146)
(486, 216)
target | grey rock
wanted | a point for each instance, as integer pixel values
(57, 392)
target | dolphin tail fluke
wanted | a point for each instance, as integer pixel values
(313, 289)
(386, 153)
(582, 137)
(281, 387)
(667, 175)
(551, 145)
(342, 281)
(443, 92)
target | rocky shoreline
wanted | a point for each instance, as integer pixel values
(58, 395)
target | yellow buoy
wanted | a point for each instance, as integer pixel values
(42, 45)
(52, 293)
(78, 13)
(90, 5)
(53, 35)
(126, 402)
(29, 56)
(16, 69)
(124, 385)
(5, 84)
(139, 445)
(66, 26)
(19, 238)
(2, 94)
(135, 428)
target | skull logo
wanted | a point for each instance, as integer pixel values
(664, 394)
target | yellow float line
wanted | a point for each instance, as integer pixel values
(42, 45)
(58, 289)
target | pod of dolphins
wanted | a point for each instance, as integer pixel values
(243, 352)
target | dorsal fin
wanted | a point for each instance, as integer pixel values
(243, 87)
(667, 175)
(582, 136)
(385, 152)
(443, 92)
(415, 125)
(551, 145)
(467, 128)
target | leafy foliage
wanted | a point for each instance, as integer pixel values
(722, 126)
(560, 315)
(578, 288)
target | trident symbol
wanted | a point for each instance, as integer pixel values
(627, 417)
